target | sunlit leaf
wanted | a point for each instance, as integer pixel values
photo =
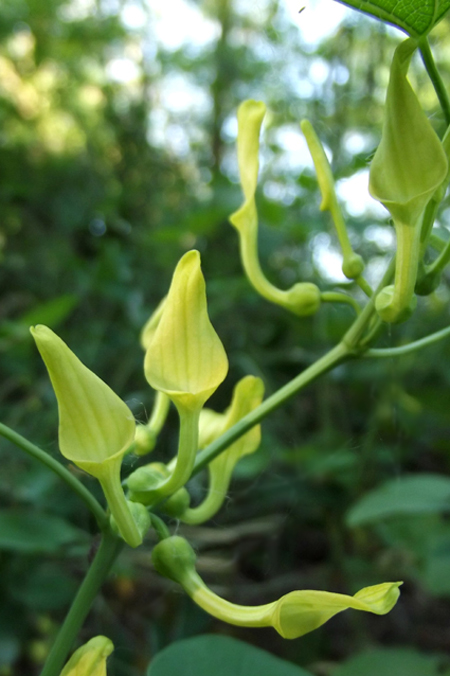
(415, 17)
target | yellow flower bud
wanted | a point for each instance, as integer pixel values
(151, 325)
(300, 612)
(408, 167)
(186, 359)
(95, 426)
(90, 658)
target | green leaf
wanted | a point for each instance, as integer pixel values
(221, 656)
(390, 662)
(415, 17)
(418, 494)
(31, 532)
(44, 588)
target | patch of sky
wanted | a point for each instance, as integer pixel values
(123, 70)
(294, 156)
(133, 16)
(356, 142)
(229, 129)
(340, 74)
(383, 237)
(178, 23)
(319, 71)
(353, 192)
(319, 19)
(327, 258)
(179, 94)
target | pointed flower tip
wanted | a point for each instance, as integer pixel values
(90, 658)
(300, 612)
(186, 358)
(410, 162)
(250, 116)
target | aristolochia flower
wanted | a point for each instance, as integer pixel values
(90, 658)
(303, 298)
(185, 357)
(293, 615)
(95, 426)
(408, 167)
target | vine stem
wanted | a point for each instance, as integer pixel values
(430, 65)
(410, 347)
(59, 469)
(110, 547)
(335, 356)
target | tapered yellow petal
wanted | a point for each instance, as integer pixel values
(94, 423)
(186, 358)
(410, 162)
(300, 612)
(90, 658)
(95, 426)
(409, 166)
(151, 324)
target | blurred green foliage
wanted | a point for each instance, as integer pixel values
(104, 183)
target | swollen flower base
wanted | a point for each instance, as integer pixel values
(292, 616)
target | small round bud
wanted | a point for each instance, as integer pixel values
(177, 504)
(353, 266)
(144, 439)
(173, 558)
(148, 477)
(145, 480)
(426, 284)
(304, 299)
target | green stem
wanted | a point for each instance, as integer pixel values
(159, 526)
(107, 553)
(430, 65)
(441, 261)
(336, 297)
(335, 356)
(354, 334)
(364, 286)
(187, 449)
(411, 347)
(64, 474)
(231, 613)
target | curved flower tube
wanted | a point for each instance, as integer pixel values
(90, 658)
(95, 426)
(353, 264)
(247, 395)
(303, 298)
(293, 615)
(408, 167)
